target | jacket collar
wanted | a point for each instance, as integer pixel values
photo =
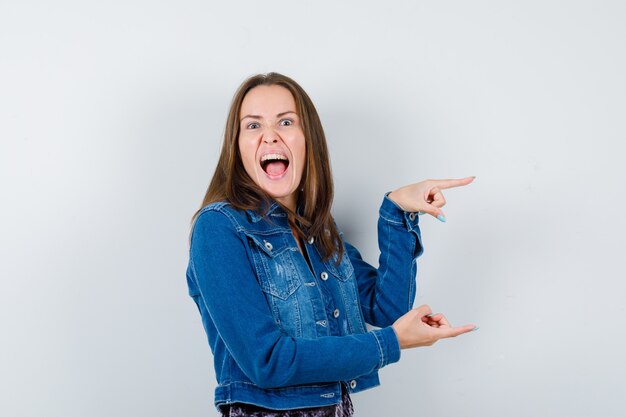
(255, 215)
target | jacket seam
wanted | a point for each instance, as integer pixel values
(380, 349)
(280, 388)
(390, 220)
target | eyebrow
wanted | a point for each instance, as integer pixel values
(254, 116)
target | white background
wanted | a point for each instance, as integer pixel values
(111, 120)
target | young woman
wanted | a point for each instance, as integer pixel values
(283, 297)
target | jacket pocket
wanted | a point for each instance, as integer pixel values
(273, 262)
(344, 270)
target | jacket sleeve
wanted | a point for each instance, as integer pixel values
(388, 292)
(227, 285)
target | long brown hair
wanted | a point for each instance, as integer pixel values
(232, 183)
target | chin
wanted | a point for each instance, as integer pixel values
(280, 193)
(279, 189)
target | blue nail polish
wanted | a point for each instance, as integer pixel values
(475, 328)
(441, 218)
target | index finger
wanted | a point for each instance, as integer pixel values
(455, 331)
(443, 184)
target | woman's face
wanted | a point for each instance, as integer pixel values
(271, 142)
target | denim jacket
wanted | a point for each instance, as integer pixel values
(285, 335)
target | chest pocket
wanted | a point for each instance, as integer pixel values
(344, 270)
(273, 262)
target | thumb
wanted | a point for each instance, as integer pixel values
(423, 310)
(435, 212)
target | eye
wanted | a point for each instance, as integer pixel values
(252, 125)
(286, 122)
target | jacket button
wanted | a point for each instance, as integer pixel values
(336, 313)
(311, 240)
(268, 245)
(324, 276)
(412, 216)
(352, 384)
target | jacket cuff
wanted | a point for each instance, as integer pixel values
(393, 213)
(388, 345)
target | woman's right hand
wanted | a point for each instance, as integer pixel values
(419, 327)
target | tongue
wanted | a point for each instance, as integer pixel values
(276, 168)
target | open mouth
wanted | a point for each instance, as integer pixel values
(274, 164)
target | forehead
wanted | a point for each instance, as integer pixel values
(267, 100)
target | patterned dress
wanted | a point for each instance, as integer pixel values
(343, 409)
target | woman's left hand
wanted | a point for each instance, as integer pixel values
(426, 196)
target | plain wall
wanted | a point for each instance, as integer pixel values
(111, 120)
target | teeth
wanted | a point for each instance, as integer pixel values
(273, 156)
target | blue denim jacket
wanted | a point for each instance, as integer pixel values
(284, 336)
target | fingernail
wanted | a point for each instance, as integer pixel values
(419, 213)
(473, 176)
(441, 218)
(475, 328)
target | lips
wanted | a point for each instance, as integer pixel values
(274, 163)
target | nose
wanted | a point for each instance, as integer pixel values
(269, 139)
